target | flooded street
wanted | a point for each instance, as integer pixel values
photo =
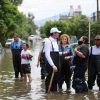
(17, 89)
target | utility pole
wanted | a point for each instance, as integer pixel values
(89, 32)
(97, 10)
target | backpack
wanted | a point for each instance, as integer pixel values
(42, 58)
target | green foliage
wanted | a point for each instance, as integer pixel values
(77, 25)
(16, 2)
(49, 24)
(95, 29)
(11, 20)
(32, 24)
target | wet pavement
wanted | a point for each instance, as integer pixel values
(17, 89)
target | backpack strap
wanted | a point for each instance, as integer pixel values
(42, 48)
(52, 45)
(91, 51)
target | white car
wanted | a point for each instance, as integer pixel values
(8, 42)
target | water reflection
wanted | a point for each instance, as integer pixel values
(21, 89)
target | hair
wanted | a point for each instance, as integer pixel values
(65, 35)
(85, 38)
(26, 45)
(17, 35)
(51, 34)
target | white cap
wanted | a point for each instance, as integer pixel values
(54, 30)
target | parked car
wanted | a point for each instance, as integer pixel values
(1, 48)
(8, 42)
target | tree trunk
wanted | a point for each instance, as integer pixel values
(2, 39)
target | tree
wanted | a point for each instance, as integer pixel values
(16, 2)
(11, 20)
(49, 24)
(32, 24)
(95, 29)
(77, 25)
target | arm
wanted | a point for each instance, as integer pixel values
(80, 54)
(47, 48)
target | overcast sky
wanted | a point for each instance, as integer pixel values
(46, 8)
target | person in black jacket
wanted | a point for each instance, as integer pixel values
(80, 62)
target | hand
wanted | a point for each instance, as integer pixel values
(54, 68)
(67, 57)
(75, 50)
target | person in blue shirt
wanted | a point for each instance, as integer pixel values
(66, 56)
(16, 48)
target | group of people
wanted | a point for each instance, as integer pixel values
(56, 59)
(21, 56)
(59, 56)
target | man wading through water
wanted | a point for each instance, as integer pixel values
(94, 64)
(51, 50)
(16, 48)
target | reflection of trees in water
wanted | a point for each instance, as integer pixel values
(21, 88)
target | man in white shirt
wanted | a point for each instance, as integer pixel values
(52, 56)
(94, 64)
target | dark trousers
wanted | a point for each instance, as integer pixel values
(79, 71)
(94, 70)
(92, 76)
(65, 75)
(48, 78)
(43, 70)
(79, 83)
(17, 65)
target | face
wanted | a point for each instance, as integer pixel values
(80, 42)
(16, 38)
(24, 46)
(56, 35)
(97, 42)
(64, 40)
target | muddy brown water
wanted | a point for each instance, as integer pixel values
(17, 89)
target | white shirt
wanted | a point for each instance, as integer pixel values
(48, 48)
(95, 50)
(25, 53)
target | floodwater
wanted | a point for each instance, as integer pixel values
(17, 89)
